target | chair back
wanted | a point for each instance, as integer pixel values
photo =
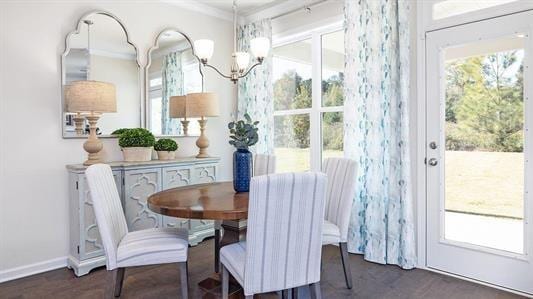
(108, 210)
(342, 175)
(264, 164)
(284, 236)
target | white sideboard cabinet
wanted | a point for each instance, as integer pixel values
(136, 181)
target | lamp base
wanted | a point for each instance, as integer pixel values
(202, 143)
(93, 145)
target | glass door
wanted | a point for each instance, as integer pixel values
(478, 135)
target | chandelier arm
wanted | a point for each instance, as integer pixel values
(250, 69)
(220, 73)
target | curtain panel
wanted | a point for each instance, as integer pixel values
(377, 130)
(172, 85)
(255, 90)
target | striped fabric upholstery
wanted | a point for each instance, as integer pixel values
(108, 210)
(341, 174)
(284, 237)
(122, 248)
(153, 246)
(264, 164)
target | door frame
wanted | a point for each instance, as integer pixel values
(420, 149)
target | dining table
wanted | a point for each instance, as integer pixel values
(213, 201)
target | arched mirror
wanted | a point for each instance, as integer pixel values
(173, 70)
(100, 50)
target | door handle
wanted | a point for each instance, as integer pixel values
(433, 162)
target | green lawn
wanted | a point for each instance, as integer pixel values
(476, 182)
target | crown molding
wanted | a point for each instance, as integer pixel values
(201, 8)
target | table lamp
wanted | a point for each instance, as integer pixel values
(202, 104)
(91, 98)
(178, 109)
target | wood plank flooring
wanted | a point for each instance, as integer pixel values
(370, 281)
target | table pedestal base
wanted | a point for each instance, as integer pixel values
(234, 231)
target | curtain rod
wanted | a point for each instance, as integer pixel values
(311, 5)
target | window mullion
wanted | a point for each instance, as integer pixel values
(315, 126)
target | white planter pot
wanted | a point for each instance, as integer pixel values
(166, 155)
(137, 154)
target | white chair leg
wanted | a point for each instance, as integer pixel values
(346, 264)
(118, 279)
(314, 289)
(225, 283)
(184, 279)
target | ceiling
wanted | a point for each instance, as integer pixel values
(245, 7)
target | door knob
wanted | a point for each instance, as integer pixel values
(433, 162)
(432, 145)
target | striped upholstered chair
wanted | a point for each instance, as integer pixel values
(341, 174)
(124, 249)
(264, 164)
(283, 243)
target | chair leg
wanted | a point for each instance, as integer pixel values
(225, 283)
(314, 289)
(346, 264)
(117, 281)
(217, 250)
(184, 279)
(295, 293)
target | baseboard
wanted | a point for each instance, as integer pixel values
(31, 269)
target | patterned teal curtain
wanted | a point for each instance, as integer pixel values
(255, 90)
(172, 86)
(377, 130)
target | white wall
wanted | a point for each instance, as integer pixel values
(33, 178)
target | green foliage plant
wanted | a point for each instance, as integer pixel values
(136, 138)
(243, 133)
(166, 144)
(119, 132)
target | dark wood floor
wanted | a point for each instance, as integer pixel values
(370, 281)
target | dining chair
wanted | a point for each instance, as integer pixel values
(264, 164)
(341, 173)
(283, 243)
(128, 249)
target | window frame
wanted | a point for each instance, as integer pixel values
(316, 110)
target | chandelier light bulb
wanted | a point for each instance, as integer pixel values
(204, 49)
(242, 59)
(260, 47)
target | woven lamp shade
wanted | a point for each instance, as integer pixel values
(178, 107)
(202, 104)
(90, 96)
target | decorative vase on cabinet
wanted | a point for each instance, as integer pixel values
(242, 170)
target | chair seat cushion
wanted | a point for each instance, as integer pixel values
(153, 246)
(331, 233)
(233, 258)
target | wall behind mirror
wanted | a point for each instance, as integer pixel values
(172, 70)
(99, 50)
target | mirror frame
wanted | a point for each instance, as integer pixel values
(147, 75)
(67, 51)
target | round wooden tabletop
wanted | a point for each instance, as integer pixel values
(216, 201)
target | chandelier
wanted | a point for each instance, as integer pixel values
(259, 47)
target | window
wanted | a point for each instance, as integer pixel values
(308, 100)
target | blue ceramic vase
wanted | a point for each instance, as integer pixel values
(242, 170)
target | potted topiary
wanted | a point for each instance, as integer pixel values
(119, 132)
(136, 145)
(166, 149)
(243, 134)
